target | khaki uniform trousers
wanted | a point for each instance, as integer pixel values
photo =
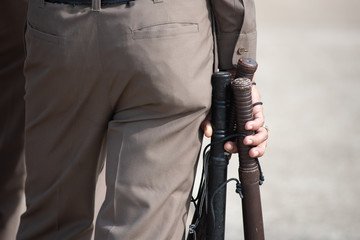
(12, 114)
(132, 79)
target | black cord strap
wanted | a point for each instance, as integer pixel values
(238, 190)
(261, 179)
(257, 103)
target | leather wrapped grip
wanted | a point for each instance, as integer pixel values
(246, 67)
(248, 167)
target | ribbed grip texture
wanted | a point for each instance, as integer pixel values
(249, 173)
(243, 111)
(246, 67)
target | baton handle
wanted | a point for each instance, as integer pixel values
(249, 173)
(246, 68)
(209, 219)
(217, 168)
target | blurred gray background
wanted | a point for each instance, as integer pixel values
(309, 79)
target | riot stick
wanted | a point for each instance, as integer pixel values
(249, 172)
(209, 221)
(245, 68)
(218, 162)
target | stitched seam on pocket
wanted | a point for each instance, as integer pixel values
(169, 30)
(34, 32)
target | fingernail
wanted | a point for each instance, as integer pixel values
(208, 131)
(249, 141)
(250, 126)
(256, 153)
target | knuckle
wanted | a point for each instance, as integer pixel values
(266, 135)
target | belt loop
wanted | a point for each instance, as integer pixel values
(40, 3)
(95, 5)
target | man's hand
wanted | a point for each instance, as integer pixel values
(258, 141)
